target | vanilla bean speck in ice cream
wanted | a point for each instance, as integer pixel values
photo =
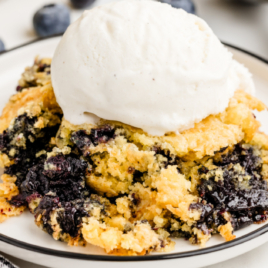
(145, 64)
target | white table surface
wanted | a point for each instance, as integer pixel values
(242, 26)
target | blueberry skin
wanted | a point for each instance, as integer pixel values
(82, 3)
(51, 19)
(187, 5)
(2, 46)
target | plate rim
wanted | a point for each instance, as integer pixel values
(93, 257)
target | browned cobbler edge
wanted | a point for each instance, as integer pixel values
(117, 187)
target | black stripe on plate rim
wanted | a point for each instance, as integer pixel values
(161, 256)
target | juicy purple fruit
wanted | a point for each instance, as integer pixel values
(2, 46)
(245, 204)
(19, 200)
(82, 3)
(35, 141)
(98, 135)
(187, 5)
(70, 218)
(65, 176)
(51, 20)
(171, 158)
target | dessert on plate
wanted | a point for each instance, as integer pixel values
(140, 130)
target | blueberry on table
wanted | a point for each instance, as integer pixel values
(2, 46)
(51, 19)
(187, 5)
(82, 3)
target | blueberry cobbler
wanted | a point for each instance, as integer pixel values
(186, 161)
(117, 187)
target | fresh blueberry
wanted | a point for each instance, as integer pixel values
(51, 19)
(82, 3)
(187, 5)
(2, 46)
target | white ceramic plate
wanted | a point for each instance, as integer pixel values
(20, 237)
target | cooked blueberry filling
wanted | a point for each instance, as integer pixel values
(69, 214)
(22, 142)
(30, 79)
(242, 192)
(57, 184)
(35, 181)
(67, 177)
(19, 88)
(70, 218)
(47, 204)
(83, 140)
(137, 176)
(62, 175)
(171, 159)
(19, 200)
(43, 67)
(245, 157)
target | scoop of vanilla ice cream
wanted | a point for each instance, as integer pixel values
(145, 64)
